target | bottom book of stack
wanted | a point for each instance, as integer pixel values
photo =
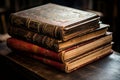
(86, 53)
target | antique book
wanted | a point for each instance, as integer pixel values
(64, 55)
(56, 21)
(78, 61)
(54, 44)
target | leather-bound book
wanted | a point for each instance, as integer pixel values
(56, 21)
(72, 64)
(52, 43)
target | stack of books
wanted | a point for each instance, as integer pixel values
(59, 36)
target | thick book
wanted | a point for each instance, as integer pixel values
(64, 55)
(78, 61)
(56, 21)
(54, 44)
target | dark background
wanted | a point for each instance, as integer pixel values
(108, 8)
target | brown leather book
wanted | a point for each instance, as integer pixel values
(54, 44)
(56, 21)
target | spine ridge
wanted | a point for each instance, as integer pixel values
(37, 26)
(40, 40)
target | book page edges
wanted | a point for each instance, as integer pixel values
(78, 33)
(83, 38)
(94, 55)
(85, 48)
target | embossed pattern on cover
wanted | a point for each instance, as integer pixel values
(56, 14)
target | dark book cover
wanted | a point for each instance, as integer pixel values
(55, 44)
(55, 20)
(64, 55)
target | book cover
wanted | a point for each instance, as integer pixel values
(56, 21)
(54, 44)
(64, 55)
(76, 62)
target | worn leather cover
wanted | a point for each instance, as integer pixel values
(54, 20)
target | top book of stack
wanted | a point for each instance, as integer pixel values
(59, 22)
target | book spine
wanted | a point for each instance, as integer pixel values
(31, 48)
(40, 40)
(37, 26)
(53, 63)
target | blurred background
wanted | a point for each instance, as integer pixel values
(109, 11)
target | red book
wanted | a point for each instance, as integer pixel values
(63, 55)
(77, 62)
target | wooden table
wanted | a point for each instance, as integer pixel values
(107, 68)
